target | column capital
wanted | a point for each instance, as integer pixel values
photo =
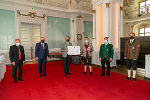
(121, 8)
(93, 11)
(107, 5)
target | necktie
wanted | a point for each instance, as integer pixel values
(105, 52)
(130, 42)
(43, 45)
(86, 50)
(19, 54)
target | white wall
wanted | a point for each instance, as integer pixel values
(25, 7)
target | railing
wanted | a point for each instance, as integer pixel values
(130, 14)
(55, 3)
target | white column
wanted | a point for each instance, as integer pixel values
(115, 29)
(18, 26)
(73, 29)
(45, 29)
(77, 27)
(80, 30)
(109, 29)
(94, 25)
(120, 28)
(106, 7)
(95, 54)
(121, 18)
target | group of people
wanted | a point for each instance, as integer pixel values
(132, 48)
(17, 58)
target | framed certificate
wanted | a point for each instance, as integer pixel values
(79, 36)
(73, 50)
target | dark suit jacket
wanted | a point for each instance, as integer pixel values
(109, 51)
(40, 52)
(14, 53)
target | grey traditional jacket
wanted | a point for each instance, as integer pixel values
(89, 49)
(65, 47)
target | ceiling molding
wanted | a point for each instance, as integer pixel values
(46, 6)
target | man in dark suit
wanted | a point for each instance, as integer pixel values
(41, 54)
(106, 55)
(17, 58)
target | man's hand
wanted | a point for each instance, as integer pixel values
(66, 50)
(13, 63)
(36, 58)
(88, 49)
(100, 59)
(23, 62)
(47, 58)
(125, 57)
(134, 59)
(110, 60)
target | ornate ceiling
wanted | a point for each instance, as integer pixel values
(85, 5)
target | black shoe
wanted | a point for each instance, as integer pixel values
(134, 80)
(15, 81)
(20, 79)
(102, 74)
(69, 73)
(65, 75)
(45, 75)
(108, 75)
(127, 78)
(84, 72)
(40, 76)
(91, 73)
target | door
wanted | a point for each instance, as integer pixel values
(30, 35)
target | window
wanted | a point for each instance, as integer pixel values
(144, 7)
(144, 31)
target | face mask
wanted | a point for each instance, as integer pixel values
(105, 41)
(67, 40)
(131, 37)
(17, 44)
(42, 41)
(86, 41)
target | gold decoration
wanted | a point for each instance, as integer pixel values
(79, 16)
(132, 28)
(70, 3)
(94, 11)
(121, 8)
(125, 3)
(31, 14)
(107, 5)
(72, 21)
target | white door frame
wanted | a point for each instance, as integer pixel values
(39, 21)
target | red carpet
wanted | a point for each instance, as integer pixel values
(74, 87)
